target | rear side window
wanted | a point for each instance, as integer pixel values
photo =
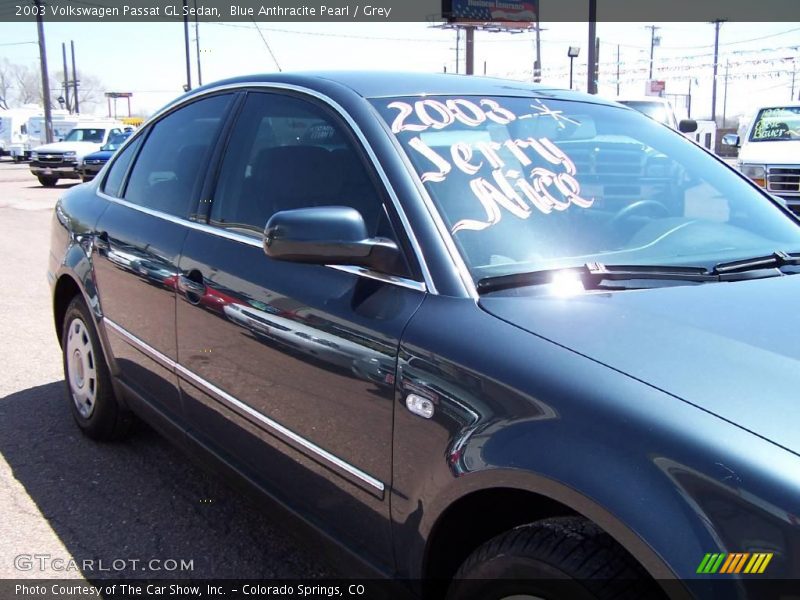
(169, 170)
(113, 183)
(284, 153)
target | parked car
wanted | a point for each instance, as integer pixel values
(769, 152)
(92, 163)
(490, 338)
(61, 160)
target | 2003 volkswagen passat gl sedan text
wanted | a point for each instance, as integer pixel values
(499, 337)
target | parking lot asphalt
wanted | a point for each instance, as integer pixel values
(64, 497)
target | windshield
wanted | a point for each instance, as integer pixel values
(115, 141)
(526, 184)
(776, 124)
(655, 110)
(85, 135)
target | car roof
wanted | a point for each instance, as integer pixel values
(378, 84)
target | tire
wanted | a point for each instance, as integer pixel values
(566, 558)
(47, 180)
(89, 391)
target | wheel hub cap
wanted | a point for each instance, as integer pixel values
(81, 367)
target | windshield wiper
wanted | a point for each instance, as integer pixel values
(778, 258)
(593, 274)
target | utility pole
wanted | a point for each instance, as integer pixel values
(48, 116)
(197, 44)
(66, 78)
(74, 80)
(470, 50)
(725, 95)
(689, 103)
(794, 74)
(591, 86)
(618, 74)
(458, 49)
(653, 38)
(717, 25)
(186, 47)
(596, 68)
(537, 66)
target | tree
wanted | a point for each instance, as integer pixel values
(27, 84)
(22, 84)
(6, 83)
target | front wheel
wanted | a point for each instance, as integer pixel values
(566, 558)
(47, 180)
(92, 401)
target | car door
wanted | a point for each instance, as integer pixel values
(288, 369)
(152, 190)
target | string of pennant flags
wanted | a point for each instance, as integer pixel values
(679, 63)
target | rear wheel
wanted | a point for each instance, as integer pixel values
(47, 180)
(566, 558)
(94, 406)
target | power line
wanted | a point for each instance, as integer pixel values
(263, 39)
(763, 37)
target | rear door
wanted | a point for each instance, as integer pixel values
(153, 189)
(288, 369)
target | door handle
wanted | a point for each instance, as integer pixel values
(189, 286)
(101, 240)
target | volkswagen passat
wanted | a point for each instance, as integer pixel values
(476, 331)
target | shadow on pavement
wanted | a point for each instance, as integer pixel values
(138, 499)
(59, 186)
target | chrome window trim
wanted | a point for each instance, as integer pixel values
(455, 256)
(426, 275)
(378, 276)
(235, 402)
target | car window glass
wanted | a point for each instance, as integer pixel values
(532, 184)
(86, 135)
(169, 170)
(287, 153)
(113, 183)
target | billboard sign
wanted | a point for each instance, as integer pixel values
(487, 11)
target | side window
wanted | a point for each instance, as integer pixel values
(169, 170)
(287, 153)
(113, 183)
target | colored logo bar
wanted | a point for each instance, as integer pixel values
(735, 562)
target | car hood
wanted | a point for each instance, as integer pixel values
(729, 348)
(80, 148)
(773, 153)
(100, 155)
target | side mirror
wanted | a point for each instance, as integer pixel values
(730, 139)
(327, 235)
(687, 126)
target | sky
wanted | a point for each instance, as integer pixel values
(149, 60)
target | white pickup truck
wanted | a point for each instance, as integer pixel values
(657, 108)
(60, 160)
(769, 151)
